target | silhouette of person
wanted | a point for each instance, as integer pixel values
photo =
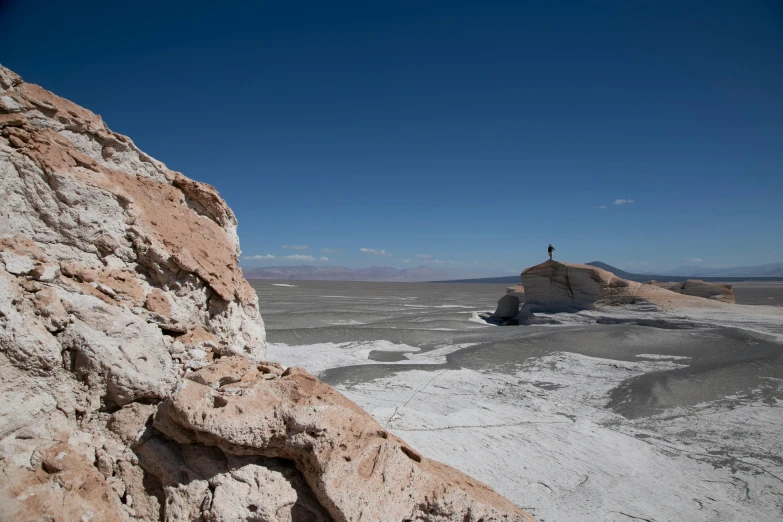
(550, 250)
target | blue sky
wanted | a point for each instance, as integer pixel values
(472, 132)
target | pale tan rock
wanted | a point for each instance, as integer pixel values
(12, 120)
(554, 286)
(51, 309)
(157, 302)
(118, 277)
(17, 264)
(65, 487)
(699, 288)
(129, 422)
(357, 470)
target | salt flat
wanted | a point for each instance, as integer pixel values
(677, 417)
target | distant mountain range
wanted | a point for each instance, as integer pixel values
(768, 271)
(373, 273)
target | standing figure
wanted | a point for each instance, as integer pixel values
(550, 250)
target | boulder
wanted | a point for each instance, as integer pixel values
(699, 288)
(118, 277)
(357, 470)
(508, 305)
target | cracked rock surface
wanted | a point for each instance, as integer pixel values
(132, 349)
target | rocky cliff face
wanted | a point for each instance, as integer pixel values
(131, 355)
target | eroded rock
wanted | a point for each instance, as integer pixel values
(357, 470)
(118, 278)
(698, 288)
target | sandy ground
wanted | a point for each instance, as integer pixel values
(758, 293)
(676, 417)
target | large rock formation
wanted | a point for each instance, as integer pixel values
(698, 288)
(554, 286)
(121, 301)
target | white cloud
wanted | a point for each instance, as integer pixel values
(374, 252)
(623, 201)
(437, 261)
(407, 261)
(694, 259)
(296, 247)
(258, 256)
(423, 256)
(322, 258)
(330, 250)
(601, 206)
(299, 257)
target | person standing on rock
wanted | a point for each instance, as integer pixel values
(550, 250)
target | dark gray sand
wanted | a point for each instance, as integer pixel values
(722, 362)
(758, 293)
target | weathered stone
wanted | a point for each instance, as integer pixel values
(553, 286)
(357, 470)
(698, 288)
(508, 305)
(12, 120)
(119, 277)
(17, 264)
(157, 302)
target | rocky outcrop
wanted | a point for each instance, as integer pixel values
(698, 288)
(357, 470)
(553, 286)
(508, 305)
(132, 349)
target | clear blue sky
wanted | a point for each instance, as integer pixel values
(473, 132)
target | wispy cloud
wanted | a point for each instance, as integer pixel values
(292, 257)
(299, 257)
(694, 259)
(623, 201)
(374, 252)
(296, 247)
(330, 250)
(427, 258)
(601, 206)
